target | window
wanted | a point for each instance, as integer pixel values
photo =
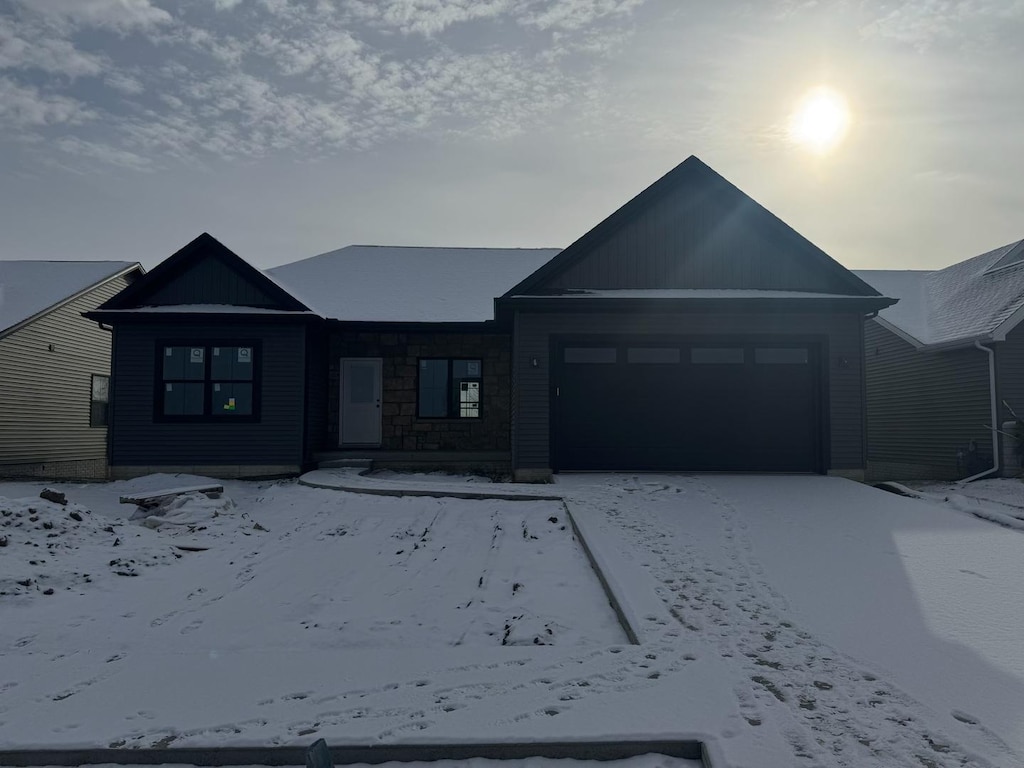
(215, 382)
(667, 355)
(100, 401)
(716, 355)
(781, 356)
(449, 389)
(600, 355)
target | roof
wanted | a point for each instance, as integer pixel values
(30, 288)
(747, 213)
(980, 298)
(698, 293)
(373, 283)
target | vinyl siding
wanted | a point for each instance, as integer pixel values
(277, 439)
(840, 343)
(701, 235)
(1010, 374)
(923, 407)
(45, 396)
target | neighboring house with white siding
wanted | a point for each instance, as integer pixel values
(945, 368)
(55, 366)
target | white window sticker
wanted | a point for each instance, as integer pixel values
(216, 387)
(170, 387)
(245, 354)
(168, 351)
(196, 355)
(473, 368)
(216, 351)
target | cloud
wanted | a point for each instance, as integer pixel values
(23, 46)
(118, 15)
(125, 83)
(306, 77)
(26, 107)
(925, 23)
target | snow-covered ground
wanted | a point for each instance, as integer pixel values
(998, 500)
(787, 620)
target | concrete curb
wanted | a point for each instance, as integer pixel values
(632, 633)
(690, 749)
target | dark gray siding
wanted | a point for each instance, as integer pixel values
(702, 235)
(1010, 374)
(923, 408)
(137, 440)
(209, 281)
(45, 395)
(841, 347)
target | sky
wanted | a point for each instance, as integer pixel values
(287, 128)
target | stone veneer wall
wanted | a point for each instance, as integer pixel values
(401, 352)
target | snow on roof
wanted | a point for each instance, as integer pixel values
(30, 287)
(409, 284)
(960, 302)
(205, 309)
(696, 293)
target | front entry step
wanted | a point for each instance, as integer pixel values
(342, 463)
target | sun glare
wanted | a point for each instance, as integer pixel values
(820, 120)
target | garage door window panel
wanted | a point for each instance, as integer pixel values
(653, 355)
(591, 355)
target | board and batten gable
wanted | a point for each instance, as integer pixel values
(699, 235)
(925, 408)
(46, 370)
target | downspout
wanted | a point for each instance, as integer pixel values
(995, 414)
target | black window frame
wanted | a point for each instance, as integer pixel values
(95, 419)
(454, 405)
(207, 416)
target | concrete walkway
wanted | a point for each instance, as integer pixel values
(353, 479)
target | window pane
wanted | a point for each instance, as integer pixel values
(590, 354)
(716, 355)
(362, 379)
(184, 363)
(232, 399)
(466, 369)
(652, 355)
(469, 399)
(101, 389)
(781, 356)
(183, 399)
(433, 394)
(97, 414)
(231, 363)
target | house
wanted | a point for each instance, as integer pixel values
(55, 366)
(691, 329)
(945, 366)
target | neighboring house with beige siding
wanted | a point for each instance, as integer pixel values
(55, 366)
(945, 369)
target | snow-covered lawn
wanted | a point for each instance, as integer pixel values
(998, 500)
(786, 620)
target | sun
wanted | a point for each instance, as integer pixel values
(820, 120)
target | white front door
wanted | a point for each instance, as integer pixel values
(360, 400)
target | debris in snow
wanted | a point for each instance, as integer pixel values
(55, 496)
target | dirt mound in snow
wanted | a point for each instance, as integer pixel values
(49, 546)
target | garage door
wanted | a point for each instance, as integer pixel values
(700, 406)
